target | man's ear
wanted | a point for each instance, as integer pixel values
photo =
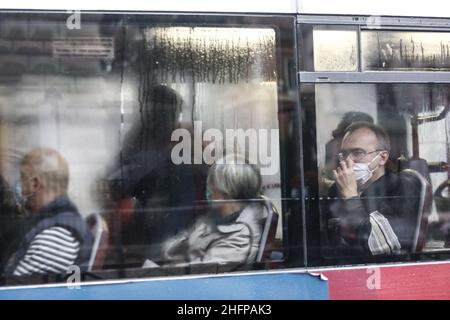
(36, 183)
(384, 157)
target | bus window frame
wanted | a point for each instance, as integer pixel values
(306, 76)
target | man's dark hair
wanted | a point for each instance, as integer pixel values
(349, 118)
(382, 136)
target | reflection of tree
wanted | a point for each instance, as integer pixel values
(408, 54)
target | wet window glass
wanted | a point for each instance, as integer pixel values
(383, 170)
(335, 50)
(146, 146)
(398, 50)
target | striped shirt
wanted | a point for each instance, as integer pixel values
(53, 250)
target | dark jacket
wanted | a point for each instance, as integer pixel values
(348, 221)
(61, 212)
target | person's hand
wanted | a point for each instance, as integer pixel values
(345, 179)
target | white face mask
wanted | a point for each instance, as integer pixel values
(362, 171)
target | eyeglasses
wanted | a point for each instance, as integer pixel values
(356, 154)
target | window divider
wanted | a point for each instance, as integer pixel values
(375, 77)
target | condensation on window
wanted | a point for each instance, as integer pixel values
(335, 50)
(398, 50)
(226, 78)
(91, 94)
(216, 55)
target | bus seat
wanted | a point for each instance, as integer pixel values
(418, 165)
(424, 209)
(100, 231)
(269, 232)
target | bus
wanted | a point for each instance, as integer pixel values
(142, 99)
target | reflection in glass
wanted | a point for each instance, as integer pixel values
(212, 69)
(109, 100)
(395, 50)
(335, 50)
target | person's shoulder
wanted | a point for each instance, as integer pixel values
(59, 232)
(253, 213)
(246, 220)
(202, 224)
(59, 205)
(237, 230)
(59, 237)
(404, 181)
(390, 178)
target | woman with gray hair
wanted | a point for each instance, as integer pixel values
(231, 233)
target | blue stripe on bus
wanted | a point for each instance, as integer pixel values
(285, 286)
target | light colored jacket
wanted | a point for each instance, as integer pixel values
(208, 242)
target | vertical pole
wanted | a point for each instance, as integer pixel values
(415, 137)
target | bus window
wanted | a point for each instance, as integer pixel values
(376, 166)
(193, 119)
(141, 108)
(415, 120)
(335, 50)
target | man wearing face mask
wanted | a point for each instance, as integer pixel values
(57, 236)
(370, 210)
